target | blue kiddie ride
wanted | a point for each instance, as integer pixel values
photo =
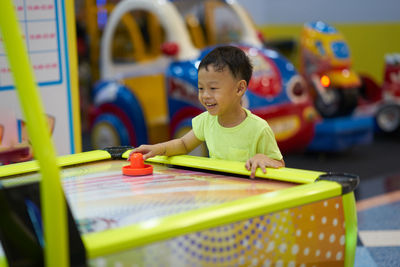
(150, 51)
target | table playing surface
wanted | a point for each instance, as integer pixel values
(101, 197)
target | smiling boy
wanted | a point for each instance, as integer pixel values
(230, 131)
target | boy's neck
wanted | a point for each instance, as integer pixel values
(233, 119)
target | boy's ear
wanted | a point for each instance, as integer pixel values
(242, 87)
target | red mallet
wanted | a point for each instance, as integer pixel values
(137, 167)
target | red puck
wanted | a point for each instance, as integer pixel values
(137, 166)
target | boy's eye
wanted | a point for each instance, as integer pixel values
(200, 88)
(213, 88)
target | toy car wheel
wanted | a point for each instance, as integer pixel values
(109, 131)
(117, 117)
(328, 106)
(388, 118)
(350, 100)
(337, 102)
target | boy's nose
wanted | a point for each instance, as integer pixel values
(206, 94)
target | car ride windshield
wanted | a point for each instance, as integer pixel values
(210, 22)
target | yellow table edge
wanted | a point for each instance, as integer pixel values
(282, 174)
(63, 161)
(350, 218)
(235, 167)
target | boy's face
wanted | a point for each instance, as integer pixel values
(219, 91)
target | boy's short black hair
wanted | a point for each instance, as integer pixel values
(231, 56)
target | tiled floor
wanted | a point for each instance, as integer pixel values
(379, 223)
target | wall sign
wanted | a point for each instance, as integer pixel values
(48, 29)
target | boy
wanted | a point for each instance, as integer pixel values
(230, 131)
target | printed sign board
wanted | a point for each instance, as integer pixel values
(48, 29)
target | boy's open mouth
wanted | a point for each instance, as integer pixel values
(210, 105)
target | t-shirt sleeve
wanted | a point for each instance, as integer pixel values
(198, 123)
(267, 144)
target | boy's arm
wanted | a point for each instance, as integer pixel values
(178, 146)
(182, 145)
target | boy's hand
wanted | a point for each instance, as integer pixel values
(262, 161)
(149, 151)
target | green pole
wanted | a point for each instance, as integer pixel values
(52, 198)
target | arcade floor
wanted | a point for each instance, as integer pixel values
(377, 196)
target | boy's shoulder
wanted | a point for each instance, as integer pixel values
(204, 117)
(255, 119)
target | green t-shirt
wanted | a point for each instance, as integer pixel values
(239, 143)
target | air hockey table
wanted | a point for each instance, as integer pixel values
(191, 211)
